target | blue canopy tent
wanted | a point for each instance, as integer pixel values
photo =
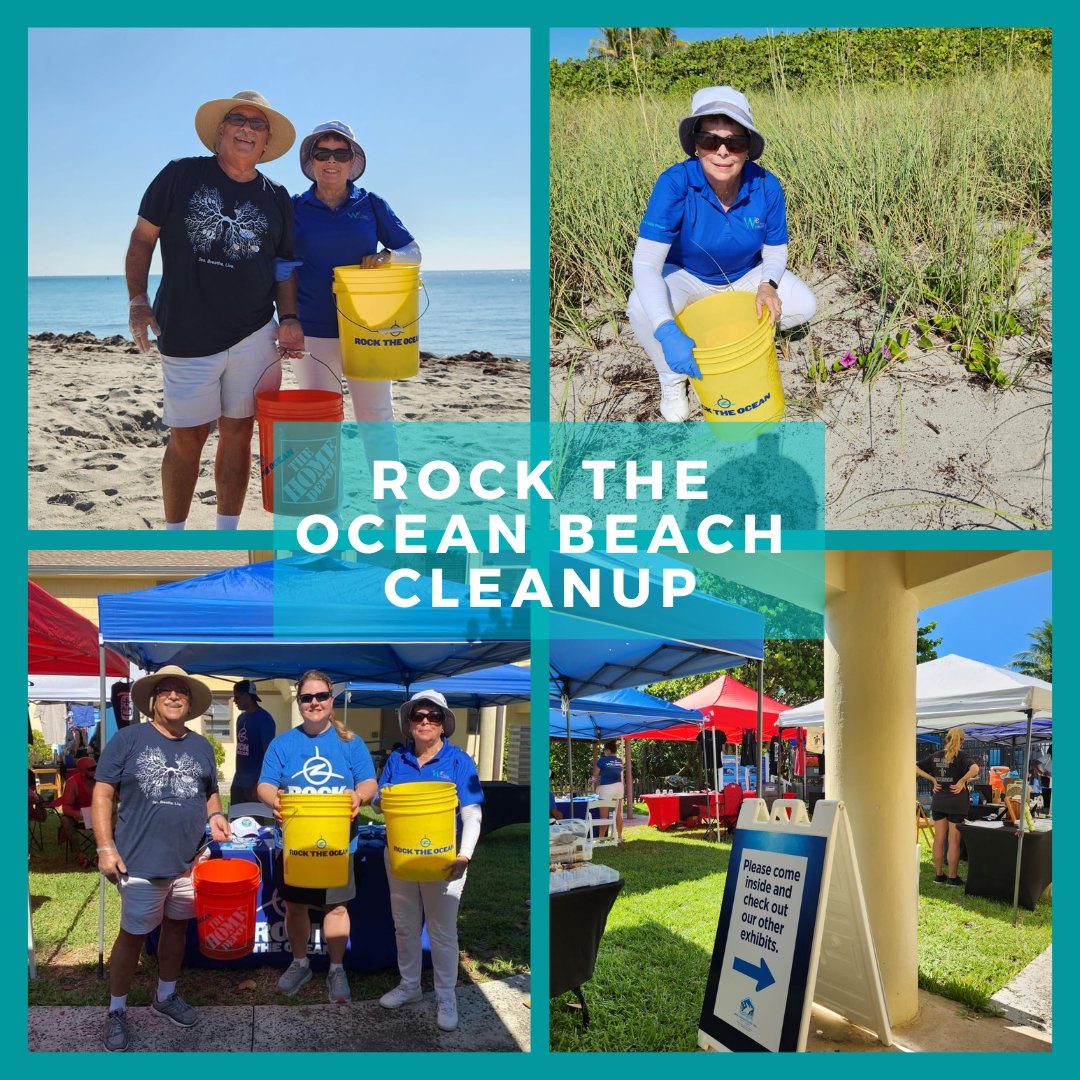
(470, 690)
(597, 649)
(276, 618)
(618, 713)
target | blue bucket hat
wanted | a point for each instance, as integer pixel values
(342, 131)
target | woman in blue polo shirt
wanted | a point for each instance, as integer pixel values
(715, 222)
(427, 723)
(337, 223)
(608, 774)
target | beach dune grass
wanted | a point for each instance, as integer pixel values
(927, 197)
(646, 992)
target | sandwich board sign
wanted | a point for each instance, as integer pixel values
(793, 930)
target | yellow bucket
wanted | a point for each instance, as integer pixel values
(421, 824)
(739, 389)
(315, 835)
(378, 316)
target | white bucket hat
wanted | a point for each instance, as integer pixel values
(342, 131)
(435, 698)
(720, 101)
(211, 115)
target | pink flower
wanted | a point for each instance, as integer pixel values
(885, 352)
(847, 360)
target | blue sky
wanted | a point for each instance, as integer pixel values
(122, 103)
(572, 43)
(992, 626)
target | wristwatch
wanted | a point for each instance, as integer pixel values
(769, 281)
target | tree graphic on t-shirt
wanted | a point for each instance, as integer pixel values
(158, 778)
(208, 224)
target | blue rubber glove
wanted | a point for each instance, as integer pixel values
(678, 349)
(283, 268)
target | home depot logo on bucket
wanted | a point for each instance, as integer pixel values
(307, 470)
(222, 931)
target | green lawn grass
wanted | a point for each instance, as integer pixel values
(493, 934)
(646, 992)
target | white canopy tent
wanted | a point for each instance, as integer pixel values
(85, 689)
(953, 691)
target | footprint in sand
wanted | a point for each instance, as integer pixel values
(73, 499)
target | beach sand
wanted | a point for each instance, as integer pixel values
(96, 438)
(929, 445)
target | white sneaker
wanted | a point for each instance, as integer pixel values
(446, 1016)
(400, 995)
(674, 404)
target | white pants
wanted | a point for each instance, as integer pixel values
(410, 903)
(797, 306)
(372, 400)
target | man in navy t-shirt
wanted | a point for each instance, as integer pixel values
(225, 229)
(255, 731)
(166, 779)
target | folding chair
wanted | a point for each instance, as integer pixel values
(730, 802)
(602, 830)
(922, 824)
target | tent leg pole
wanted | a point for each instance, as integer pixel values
(1022, 824)
(101, 878)
(760, 727)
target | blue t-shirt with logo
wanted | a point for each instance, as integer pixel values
(716, 245)
(342, 236)
(254, 733)
(299, 763)
(451, 764)
(610, 769)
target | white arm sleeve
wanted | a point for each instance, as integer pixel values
(410, 254)
(649, 256)
(773, 261)
(470, 829)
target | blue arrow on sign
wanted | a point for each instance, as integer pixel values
(759, 971)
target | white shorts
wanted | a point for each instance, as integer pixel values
(610, 791)
(320, 369)
(200, 389)
(144, 901)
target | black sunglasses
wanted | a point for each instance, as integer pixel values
(256, 123)
(307, 699)
(323, 154)
(706, 140)
(430, 717)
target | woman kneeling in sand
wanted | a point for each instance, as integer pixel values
(716, 222)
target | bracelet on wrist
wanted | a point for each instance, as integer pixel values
(286, 318)
(214, 814)
(106, 847)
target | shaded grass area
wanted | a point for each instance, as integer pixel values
(646, 992)
(493, 935)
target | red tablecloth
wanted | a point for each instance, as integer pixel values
(665, 811)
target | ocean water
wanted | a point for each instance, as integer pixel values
(470, 309)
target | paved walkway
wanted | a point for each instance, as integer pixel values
(945, 1025)
(493, 1016)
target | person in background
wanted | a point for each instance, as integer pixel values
(1047, 776)
(427, 723)
(165, 777)
(223, 226)
(255, 731)
(78, 796)
(321, 755)
(716, 222)
(608, 774)
(949, 770)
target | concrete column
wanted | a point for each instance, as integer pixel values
(870, 633)
(486, 745)
(498, 742)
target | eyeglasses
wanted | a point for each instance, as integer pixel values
(322, 153)
(427, 718)
(706, 140)
(181, 691)
(307, 699)
(238, 120)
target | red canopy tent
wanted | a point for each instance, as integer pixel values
(63, 642)
(728, 706)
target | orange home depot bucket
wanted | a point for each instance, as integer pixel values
(315, 836)
(378, 320)
(421, 829)
(226, 893)
(739, 389)
(302, 474)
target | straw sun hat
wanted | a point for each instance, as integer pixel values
(211, 114)
(142, 690)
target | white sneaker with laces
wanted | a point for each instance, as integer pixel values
(400, 995)
(674, 404)
(446, 1015)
